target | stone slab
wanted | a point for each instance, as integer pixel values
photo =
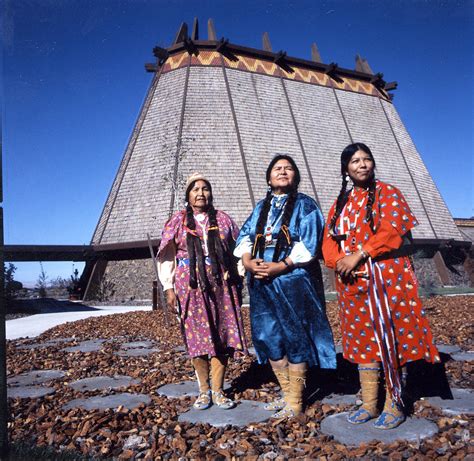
(49, 343)
(462, 403)
(463, 356)
(137, 345)
(245, 413)
(29, 392)
(136, 352)
(99, 402)
(412, 430)
(180, 349)
(447, 348)
(182, 389)
(103, 382)
(34, 377)
(338, 399)
(93, 345)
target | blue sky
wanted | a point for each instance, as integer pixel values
(73, 83)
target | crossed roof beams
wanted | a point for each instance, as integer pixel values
(192, 44)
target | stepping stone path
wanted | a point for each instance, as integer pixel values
(463, 402)
(456, 353)
(245, 413)
(28, 385)
(182, 389)
(124, 399)
(447, 348)
(137, 345)
(465, 356)
(103, 382)
(92, 345)
(340, 399)
(51, 342)
(136, 349)
(413, 429)
(30, 392)
(34, 377)
(135, 352)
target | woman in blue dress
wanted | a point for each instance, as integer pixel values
(278, 245)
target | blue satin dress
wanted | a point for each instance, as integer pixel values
(288, 313)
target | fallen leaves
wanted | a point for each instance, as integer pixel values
(153, 432)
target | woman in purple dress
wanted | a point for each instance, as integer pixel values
(200, 279)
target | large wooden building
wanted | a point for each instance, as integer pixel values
(225, 110)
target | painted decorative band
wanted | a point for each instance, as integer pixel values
(249, 64)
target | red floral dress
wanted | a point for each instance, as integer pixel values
(385, 281)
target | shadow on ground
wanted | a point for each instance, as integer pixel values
(46, 306)
(424, 380)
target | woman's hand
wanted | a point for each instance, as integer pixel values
(170, 298)
(271, 270)
(253, 265)
(347, 264)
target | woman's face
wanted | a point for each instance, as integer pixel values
(360, 168)
(282, 176)
(200, 196)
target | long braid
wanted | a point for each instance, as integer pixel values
(190, 224)
(341, 202)
(369, 216)
(196, 255)
(214, 244)
(284, 239)
(259, 247)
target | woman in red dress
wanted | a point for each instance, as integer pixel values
(382, 318)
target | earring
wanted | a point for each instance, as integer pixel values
(269, 188)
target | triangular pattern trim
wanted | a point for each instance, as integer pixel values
(259, 66)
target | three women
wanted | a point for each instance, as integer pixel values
(382, 319)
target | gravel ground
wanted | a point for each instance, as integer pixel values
(158, 435)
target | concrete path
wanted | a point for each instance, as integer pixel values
(34, 325)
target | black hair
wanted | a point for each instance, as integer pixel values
(219, 258)
(346, 156)
(284, 238)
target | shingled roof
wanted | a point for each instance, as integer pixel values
(225, 110)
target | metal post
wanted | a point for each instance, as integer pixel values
(3, 341)
(157, 281)
(155, 295)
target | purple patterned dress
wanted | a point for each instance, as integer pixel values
(211, 320)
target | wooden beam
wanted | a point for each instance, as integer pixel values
(211, 31)
(195, 32)
(182, 34)
(266, 44)
(390, 86)
(150, 67)
(315, 56)
(362, 65)
(441, 268)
